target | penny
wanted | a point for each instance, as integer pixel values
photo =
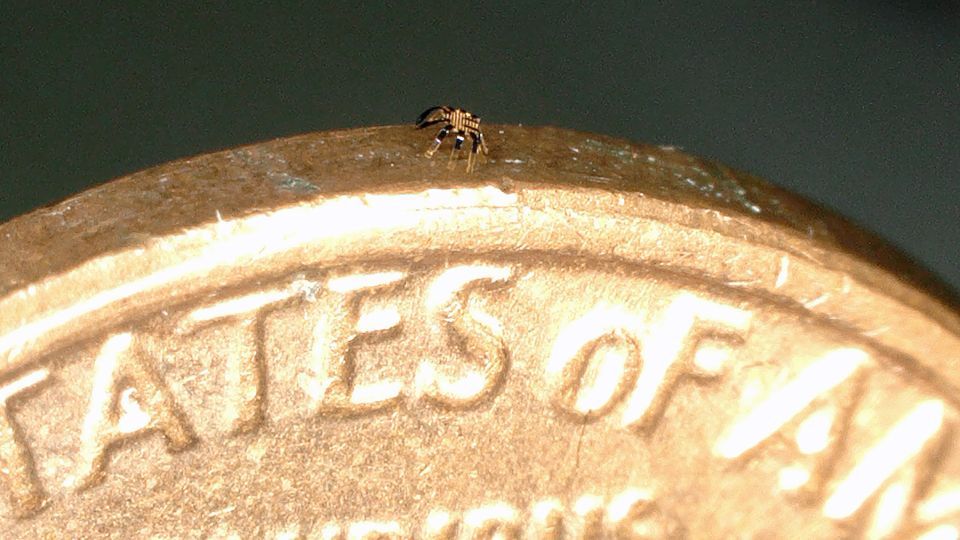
(332, 336)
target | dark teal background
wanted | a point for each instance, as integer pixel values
(854, 104)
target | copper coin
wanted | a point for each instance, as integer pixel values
(333, 336)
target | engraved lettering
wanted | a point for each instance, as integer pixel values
(546, 520)
(893, 471)
(244, 369)
(587, 522)
(244, 379)
(674, 345)
(829, 387)
(672, 349)
(630, 514)
(493, 521)
(633, 515)
(939, 506)
(440, 525)
(17, 477)
(128, 398)
(374, 530)
(330, 379)
(292, 533)
(330, 531)
(478, 335)
(886, 479)
(945, 531)
(613, 363)
(241, 306)
(607, 335)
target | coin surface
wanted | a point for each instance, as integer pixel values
(332, 336)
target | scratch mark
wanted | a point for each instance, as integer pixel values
(576, 458)
(810, 304)
(876, 331)
(784, 272)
